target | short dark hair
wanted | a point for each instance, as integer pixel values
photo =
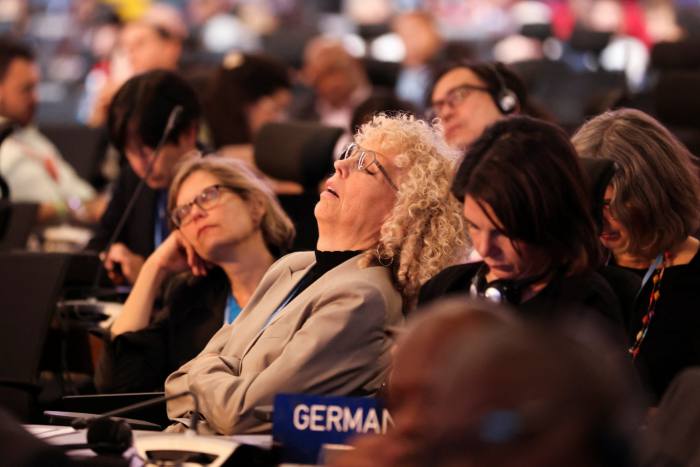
(144, 103)
(528, 172)
(11, 49)
(240, 81)
(494, 75)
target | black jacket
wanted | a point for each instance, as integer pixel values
(139, 227)
(142, 360)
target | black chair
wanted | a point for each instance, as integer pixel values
(300, 152)
(30, 284)
(598, 173)
(16, 223)
(81, 146)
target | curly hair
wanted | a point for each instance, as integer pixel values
(424, 232)
(657, 188)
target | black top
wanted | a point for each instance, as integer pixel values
(138, 231)
(325, 261)
(672, 342)
(578, 293)
(142, 360)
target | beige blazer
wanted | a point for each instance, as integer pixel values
(330, 339)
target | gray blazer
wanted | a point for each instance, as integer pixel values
(330, 339)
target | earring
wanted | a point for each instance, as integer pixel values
(385, 261)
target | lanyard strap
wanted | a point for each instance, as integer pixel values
(652, 267)
(161, 224)
(655, 264)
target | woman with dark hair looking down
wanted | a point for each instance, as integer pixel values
(527, 215)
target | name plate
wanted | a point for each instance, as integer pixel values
(301, 424)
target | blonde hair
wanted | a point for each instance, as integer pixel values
(277, 229)
(424, 232)
(657, 190)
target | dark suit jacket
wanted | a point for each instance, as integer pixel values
(139, 227)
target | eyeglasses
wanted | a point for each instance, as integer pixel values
(205, 200)
(454, 97)
(365, 159)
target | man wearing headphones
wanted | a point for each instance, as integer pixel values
(469, 96)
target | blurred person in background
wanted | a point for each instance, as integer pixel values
(469, 96)
(338, 82)
(423, 46)
(137, 120)
(229, 228)
(528, 216)
(651, 218)
(321, 322)
(152, 42)
(246, 92)
(29, 162)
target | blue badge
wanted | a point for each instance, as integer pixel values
(301, 424)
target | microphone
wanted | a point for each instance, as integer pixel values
(170, 124)
(107, 435)
(84, 422)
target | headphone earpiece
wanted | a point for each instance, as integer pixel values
(506, 100)
(498, 291)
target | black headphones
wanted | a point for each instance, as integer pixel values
(501, 290)
(506, 100)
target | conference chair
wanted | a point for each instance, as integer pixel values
(300, 152)
(16, 223)
(30, 284)
(81, 146)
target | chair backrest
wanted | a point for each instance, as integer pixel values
(81, 146)
(301, 152)
(30, 284)
(16, 223)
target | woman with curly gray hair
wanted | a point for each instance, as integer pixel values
(321, 322)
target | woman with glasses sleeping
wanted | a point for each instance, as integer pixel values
(322, 322)
(229, 228)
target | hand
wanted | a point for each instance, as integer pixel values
(119, 257)
(176, 254)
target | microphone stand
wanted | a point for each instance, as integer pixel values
(84, 422)
(172, 119)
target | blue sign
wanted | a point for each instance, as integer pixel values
(301, 424)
